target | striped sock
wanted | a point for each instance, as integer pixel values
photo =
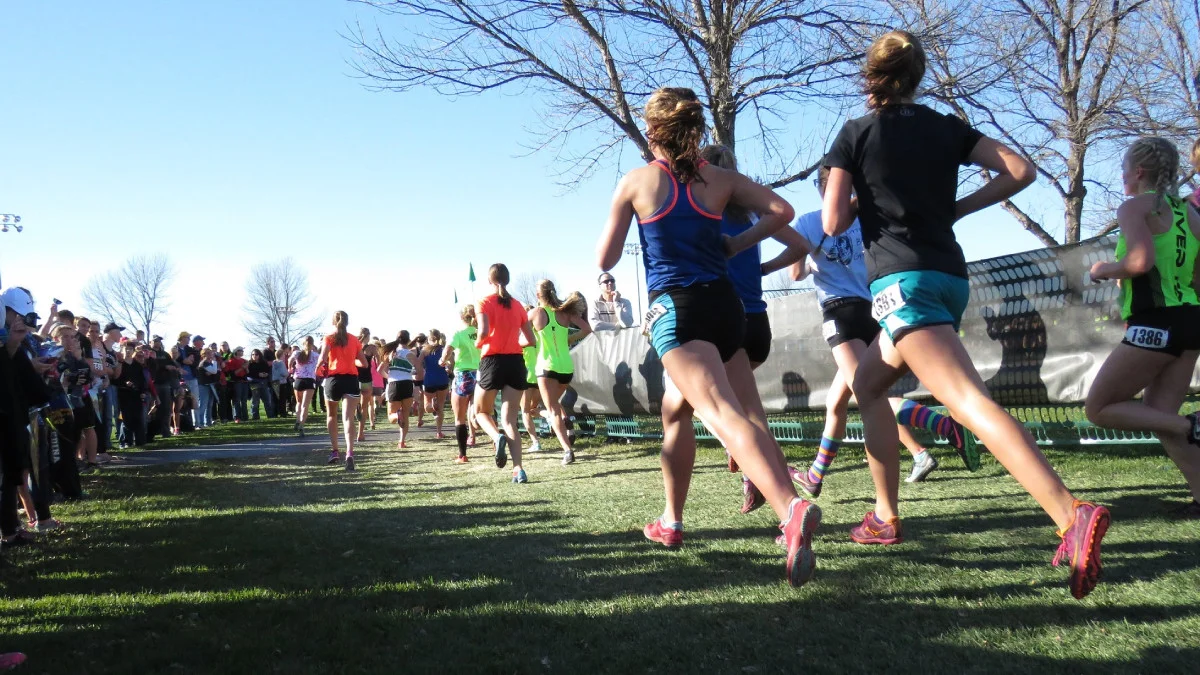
(820, 465)
(913, 414)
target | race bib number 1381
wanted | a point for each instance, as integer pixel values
(887, 301)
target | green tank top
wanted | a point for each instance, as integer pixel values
(530, 354)
(1169, 283)
(553, 352)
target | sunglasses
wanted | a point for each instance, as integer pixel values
(606, 282)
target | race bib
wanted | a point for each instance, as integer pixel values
(828, 329)
(655, 313)
(1150, 338)
(887, 301)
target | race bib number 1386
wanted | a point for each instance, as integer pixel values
(1150, 338)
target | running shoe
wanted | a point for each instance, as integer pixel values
(571, 437)
(1194, 434)
(461, 460)
(536, 447)
(804, 517)
(333, 458)
(520, 477)
(501, 455)
(440, 436)
(349, 462)
(568, 458)
(667, 536)
(1081, 544)
(732, 463)
(751, 497)
(11, 660)
(874, 531)
(963, 442)
(301, 430)
(471, 442)
(800, 477)
(47, 524)
(922, 469)
(1189, 510)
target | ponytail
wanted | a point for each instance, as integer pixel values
(548, 295)
(675, 124)
(340, 320)
(401, 340)
(498, 275)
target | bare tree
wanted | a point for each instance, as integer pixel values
(1170, 96)
(524, 285)
(278, 302)
(134, 294)
(1061, 92)
(595, 62)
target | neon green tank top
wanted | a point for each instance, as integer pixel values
(553, 351)
(530, 354)
(1169, 283)
(466, 354)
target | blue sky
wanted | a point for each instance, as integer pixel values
(230, 133)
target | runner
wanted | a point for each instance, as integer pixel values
(304, 370)
(552, 320)
(366, 383)
(502, 324)
(839, 271)
(339, 361)
(437, 380)
(378, 377)
(399, 361)
(902, 160)
(463, 357)
(1155, 264)
(695, 321)
(419, 381)
(531, 399)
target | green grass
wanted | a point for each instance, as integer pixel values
(415, 564)
(228, 432)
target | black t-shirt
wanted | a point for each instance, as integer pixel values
(260, 371)
(163, 374)
(904, 160)
(268, 354)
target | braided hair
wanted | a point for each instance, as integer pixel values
(1159, 159)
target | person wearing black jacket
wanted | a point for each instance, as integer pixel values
(260, 384)
(132, 389)
(166, 383)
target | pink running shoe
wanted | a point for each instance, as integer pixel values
(751, 497)
(1081, 544)
(11, 660)
(804, 518)
(667, 536)
(876, 531)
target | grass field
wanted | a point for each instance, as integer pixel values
(415, 564)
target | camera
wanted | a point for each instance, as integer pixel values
(49, 350)
(57, 301)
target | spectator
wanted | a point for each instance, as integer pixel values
(238, 376)
(281, 391)
(610, 311)
(76, 376)
(207, 375)
(225, 385)
(133, 393)
(186, 357)
(141, 337)
(268, 353)
(260, 384)
(109, 411)
(166, 381)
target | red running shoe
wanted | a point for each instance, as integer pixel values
(1081, 543)
(667, 536)
(874, 531)
(804, 518)
(751, 497)
(461, 460)
(733, 465)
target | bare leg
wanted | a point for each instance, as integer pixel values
(1127, 371)
(331, 422)
(678, 456)
(510, 408)
(439, 400)
(485, 404)
(350, 418)
(552, 391)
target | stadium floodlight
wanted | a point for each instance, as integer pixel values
(6, 218)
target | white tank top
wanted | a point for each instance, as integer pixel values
(400, 369)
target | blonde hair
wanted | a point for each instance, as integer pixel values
(894, 69)
(62, 328)
(436, 337)
(1195, 157)
(675, 121)
(574, 304)
(547, 296)
(467, 314)
(722, 156)
(1159, 159)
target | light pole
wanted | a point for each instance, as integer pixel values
(635, 250)
(7, 218)
(283, 314)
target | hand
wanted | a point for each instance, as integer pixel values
(1099, 271)
(43, 366)
(730, 245)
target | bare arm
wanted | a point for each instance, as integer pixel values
(1013, 173)
(837, 209)
(447, 361)
(527, 333)
(797, 249)
(1139, 243)
(585, 329)
(774, 213)
(620, 215)
(482, 321)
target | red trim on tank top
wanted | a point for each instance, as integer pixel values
(665, 208)
(697, 206)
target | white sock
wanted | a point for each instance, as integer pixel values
(673, 524)
(921, 457)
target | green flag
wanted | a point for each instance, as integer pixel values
(471, 274)
(456, 296)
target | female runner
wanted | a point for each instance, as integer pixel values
(696, 321)
(463, 357)
(1156, 258)
(502, 325)
(551, 321)
(378, 378)
(366, 383)
(400, 361)
(902, 160)
(339, 360)
(531, 399)
(304, 370)
(419, 381)
(437, 380)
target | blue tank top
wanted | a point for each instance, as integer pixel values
(435, 374)
(682, 242)
(745, 269)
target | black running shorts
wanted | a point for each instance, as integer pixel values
(399, 390)
(497, 371)
(305, 384)
(1170, 330)
(757, 342)
(846, 319)
(710, 312)
(561, 378)
(338, 387)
